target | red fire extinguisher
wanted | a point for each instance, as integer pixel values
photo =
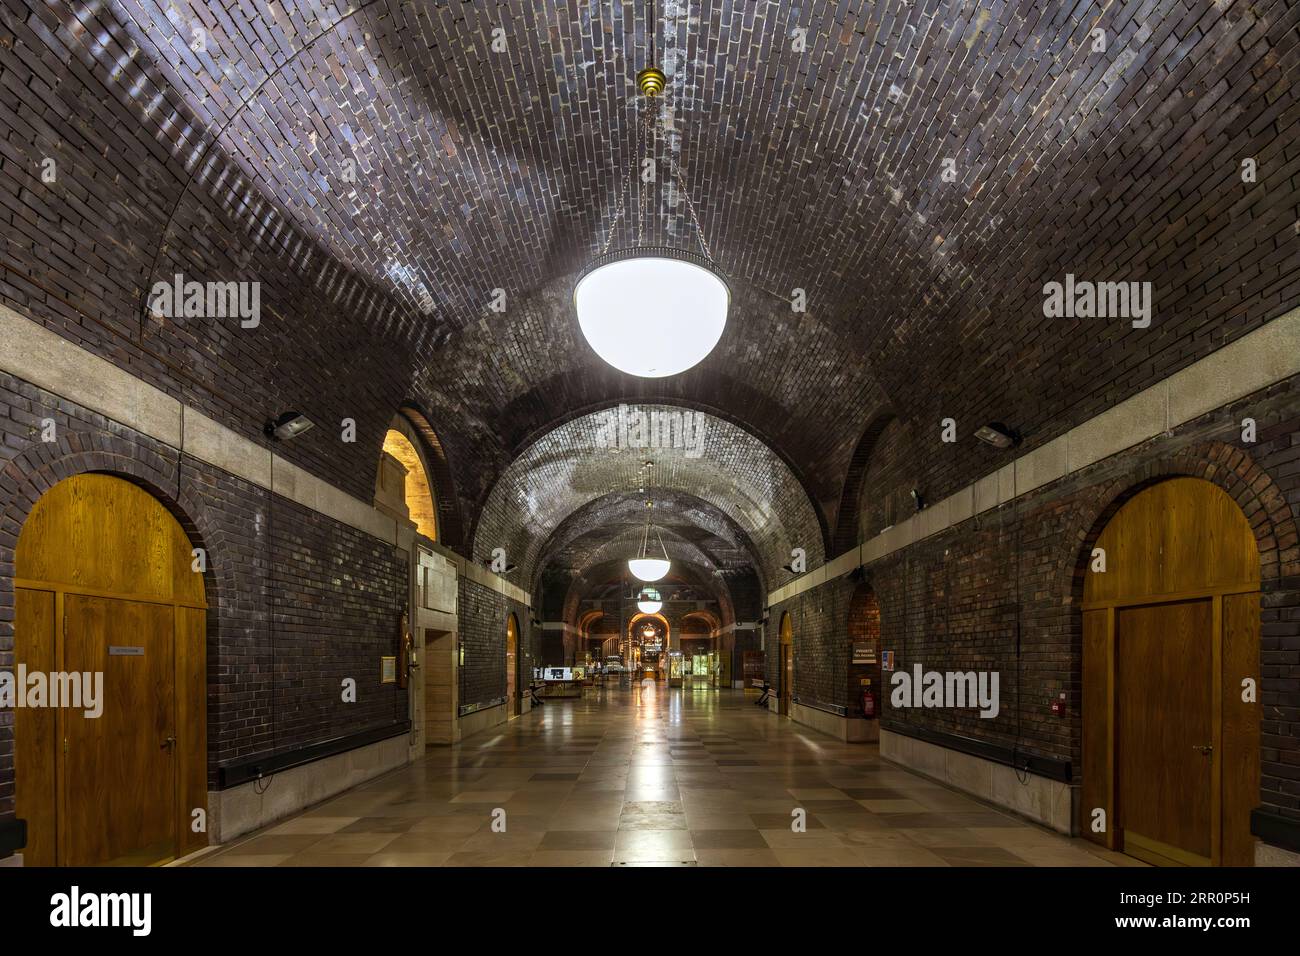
(868, 703)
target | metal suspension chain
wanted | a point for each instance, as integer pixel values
(646, 152)
(652, 28)
(618, 214)
(690, 207)
(646, 148)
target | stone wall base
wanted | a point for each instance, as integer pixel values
(1049, 802)
(242, 809)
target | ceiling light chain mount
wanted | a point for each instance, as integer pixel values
(651, 81)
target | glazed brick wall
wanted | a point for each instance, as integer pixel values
(889, 478)
(482, 616)
(79, 255)
(746, 596)
(738, 642)
(337, 593)
(821, 644)
(1122, 165)
(863, 624)
(601, 631)
(955, 601)
(338, 596)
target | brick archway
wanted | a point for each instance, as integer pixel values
(1237, 474)
(28, 476)
(1228, 468)
(847, 516)
(863, 624)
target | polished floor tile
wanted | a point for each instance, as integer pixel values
(654, 777)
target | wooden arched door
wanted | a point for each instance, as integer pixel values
(512, 666)
(787, 663)
(1171, 726)
(106, 586)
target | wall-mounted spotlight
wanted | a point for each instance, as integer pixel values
(917, 499)
(998, 435)
(287, 425)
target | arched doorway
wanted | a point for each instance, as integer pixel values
(403, 487)
(649, 641)
(589, 650)
(1171, 729)
(512, 666)
(108, 589)
(787, 663)
(698, 637)
(863, 628)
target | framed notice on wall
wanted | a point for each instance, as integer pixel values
(864, 652)
(388, 670)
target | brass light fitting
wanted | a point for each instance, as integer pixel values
(651, 80)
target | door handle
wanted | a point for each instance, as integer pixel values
(1205, 751)
(168, 743)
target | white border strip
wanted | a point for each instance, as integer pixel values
(1255, 361)
(33, 353)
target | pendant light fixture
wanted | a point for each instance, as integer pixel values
(649, 601)
(652, 310)
(644, 567)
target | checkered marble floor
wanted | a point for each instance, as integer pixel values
(654, 777)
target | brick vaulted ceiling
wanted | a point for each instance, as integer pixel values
(574, 482)
(812, 136)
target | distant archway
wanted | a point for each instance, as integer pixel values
(512, 666)
(864, 646)
(583, 651)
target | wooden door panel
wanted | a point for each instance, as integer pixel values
(511, 643)
(439, 687)
(1098, 781)
(1241, 727)
(1178, 536)
(36, 732)
(99, 533)
(119, 771)
(1164, 668)
(191, 725)
(785, 679)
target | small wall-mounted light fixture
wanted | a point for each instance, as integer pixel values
(998, 435)
(287, 425)
(917, 499)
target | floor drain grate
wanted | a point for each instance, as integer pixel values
(656, 863)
